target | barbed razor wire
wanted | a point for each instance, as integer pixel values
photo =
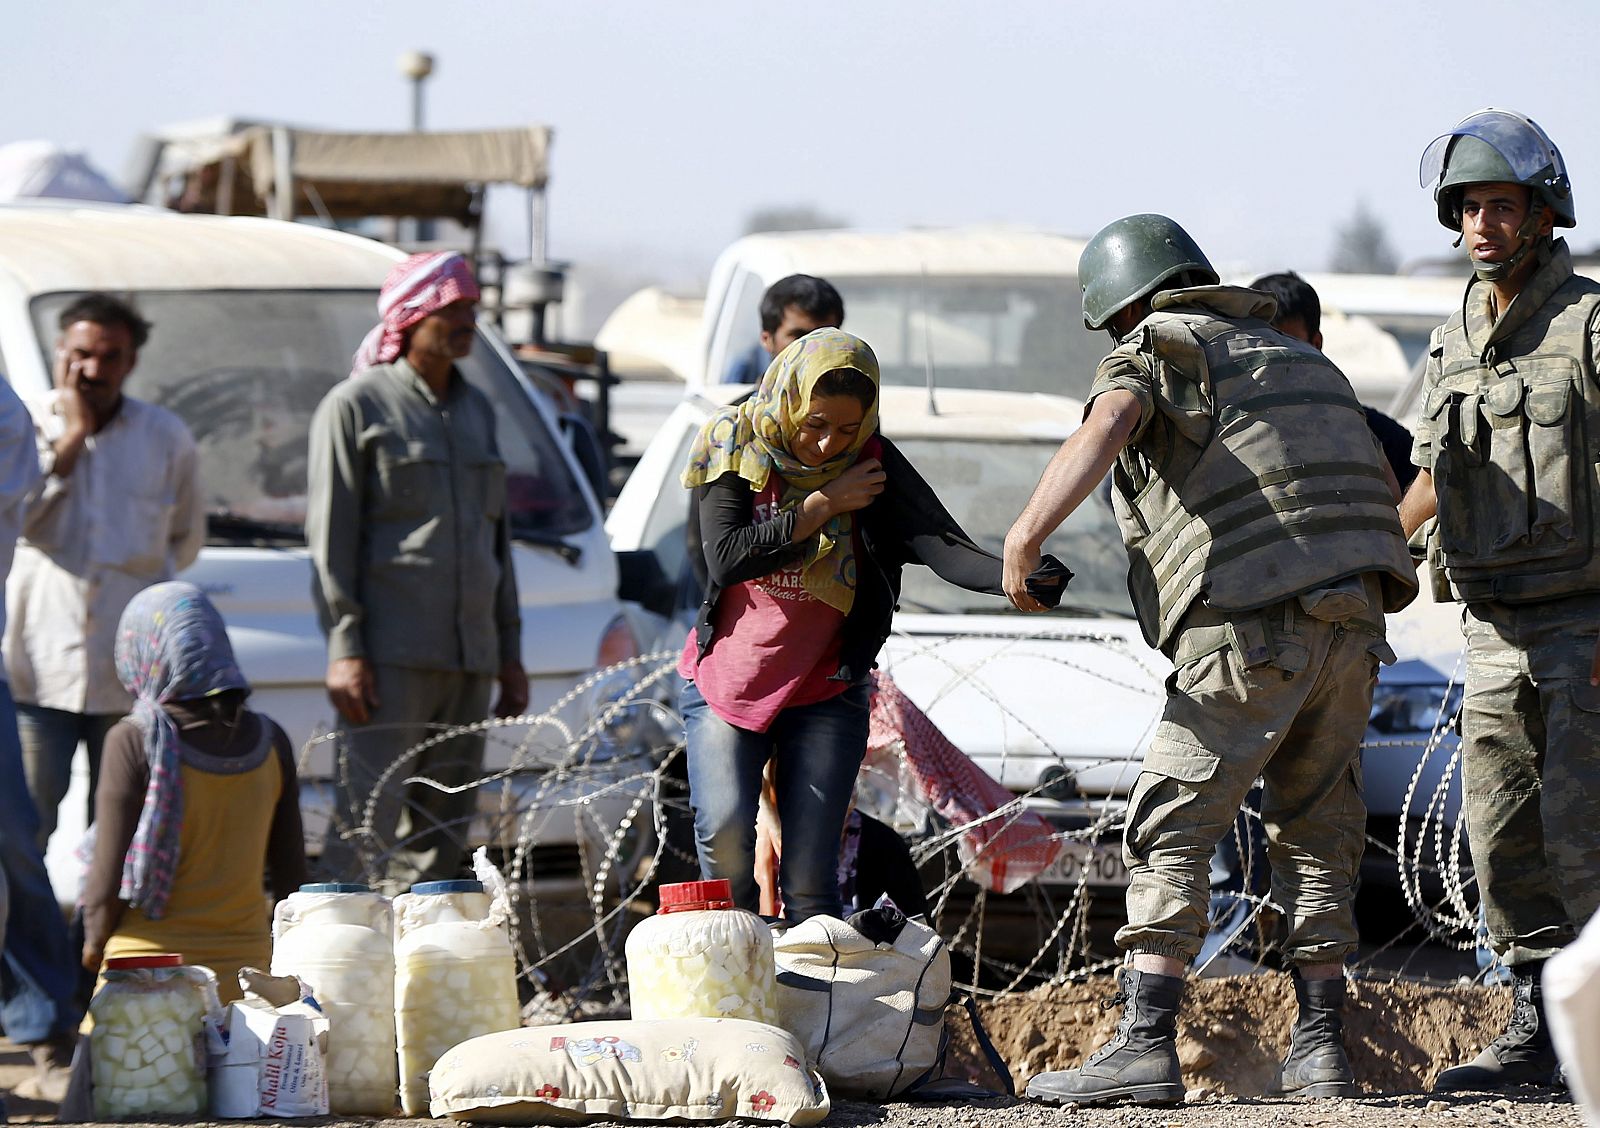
(584, 804)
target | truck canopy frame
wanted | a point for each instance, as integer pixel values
(280, 171)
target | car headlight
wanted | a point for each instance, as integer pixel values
(617, 644)
(623, 711)
(628, 723)
(1414, 708)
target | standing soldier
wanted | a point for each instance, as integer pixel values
(1507, 464)
(1264, 549)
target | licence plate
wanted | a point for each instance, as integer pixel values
(1102, 860)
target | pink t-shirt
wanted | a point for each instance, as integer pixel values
(774, 644)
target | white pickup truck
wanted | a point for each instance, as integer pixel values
(255, 320)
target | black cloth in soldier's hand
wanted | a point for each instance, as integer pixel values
(1048, 582)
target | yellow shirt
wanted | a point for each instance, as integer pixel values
(217, 911)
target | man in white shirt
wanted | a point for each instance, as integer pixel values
(119, 509)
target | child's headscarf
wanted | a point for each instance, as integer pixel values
(752, 439)
(171, 646)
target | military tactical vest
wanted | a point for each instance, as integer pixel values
(1265, 484)
(1517, 425)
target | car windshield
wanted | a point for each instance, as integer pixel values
(246, 369)
(984, 483)
(1021, 334)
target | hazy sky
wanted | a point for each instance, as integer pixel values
(1259, 126)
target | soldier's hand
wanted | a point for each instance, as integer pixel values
(513, 691)
(352, 689)
(1020, 561)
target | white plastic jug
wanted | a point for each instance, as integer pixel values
(339, 939)
(455, 977)
(699, 957)
(148, 1042)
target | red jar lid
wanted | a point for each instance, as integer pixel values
(137, 963)
(688, 895)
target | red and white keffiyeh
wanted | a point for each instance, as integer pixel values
(1001, 853)
(420, 285)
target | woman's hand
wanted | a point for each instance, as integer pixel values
(855, 488)
(852, 490)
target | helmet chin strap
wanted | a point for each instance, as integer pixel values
(1532, 243)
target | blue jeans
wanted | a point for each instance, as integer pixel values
(38, 966)
(818, 749)
(50, 739)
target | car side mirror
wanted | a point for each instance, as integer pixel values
(641, 580)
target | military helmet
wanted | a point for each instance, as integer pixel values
(1130, 258)
(1496, 147)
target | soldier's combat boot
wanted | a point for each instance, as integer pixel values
(1316, 1065)
(1140, 1062)
(1522, 1054)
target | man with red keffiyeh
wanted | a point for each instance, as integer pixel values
(414, 586)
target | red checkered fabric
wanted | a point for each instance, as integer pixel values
(416, 287)
(1002, 853)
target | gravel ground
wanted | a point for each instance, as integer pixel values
(1536, 1109)
(1399, 1035)
(1533, 1108)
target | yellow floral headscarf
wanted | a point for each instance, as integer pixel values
(752, 439)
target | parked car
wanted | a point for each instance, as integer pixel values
(1058, 707)
(255, 320)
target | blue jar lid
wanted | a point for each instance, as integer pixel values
(462, 885)
(336, 887)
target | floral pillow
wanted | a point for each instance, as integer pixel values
(706, 1069)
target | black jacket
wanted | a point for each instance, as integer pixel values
(905, 524)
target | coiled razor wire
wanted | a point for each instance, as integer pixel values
(622, 812)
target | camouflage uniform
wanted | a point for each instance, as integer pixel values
(1264, 548)
(1284, 697)
(1505, 413)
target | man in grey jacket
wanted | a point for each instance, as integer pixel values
(414, 584)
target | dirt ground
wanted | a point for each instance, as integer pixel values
(1233, 1032)
(1399, 1034)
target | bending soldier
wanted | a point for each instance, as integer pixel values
(1264, 549)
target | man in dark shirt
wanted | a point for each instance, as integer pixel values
(1300, 316)
(791, 308)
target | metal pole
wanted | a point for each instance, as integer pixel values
(417, 66)
(538, 226)
(225, 186)
(283, 175)
(424, 226)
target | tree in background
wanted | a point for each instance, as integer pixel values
(791, 217)
(1362, 246)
